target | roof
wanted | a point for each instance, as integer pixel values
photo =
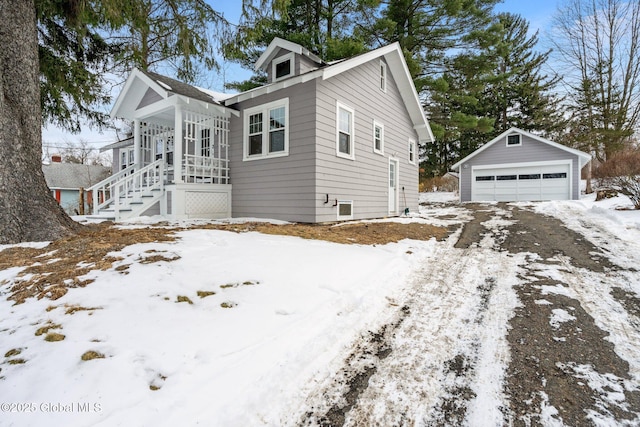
(172, 92)
(396, 63)
(276, 45)
(584, 157)
(139, 82)
(180, 88)
(73, 176)
(118, 144)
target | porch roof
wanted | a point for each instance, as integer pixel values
(146, 94)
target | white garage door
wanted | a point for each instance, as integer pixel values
(543, 182)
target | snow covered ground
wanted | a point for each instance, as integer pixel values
(283, 314)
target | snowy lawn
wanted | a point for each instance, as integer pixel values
(232, 329)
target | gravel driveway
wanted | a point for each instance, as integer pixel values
(515, 320)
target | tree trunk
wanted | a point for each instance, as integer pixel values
(28, 212)
(589, 188)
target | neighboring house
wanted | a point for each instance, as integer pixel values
(517, 165)
(122, 154)
(319, 142)
(66, 179)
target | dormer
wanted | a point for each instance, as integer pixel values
(283, 59)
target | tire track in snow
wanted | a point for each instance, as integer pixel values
(574, 347)
(446, 354)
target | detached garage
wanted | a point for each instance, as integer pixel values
(520, 166)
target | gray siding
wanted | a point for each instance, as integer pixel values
(301, 64)
(304, 65)
(531, 150)
(295, 187)
(115, 163)
(149, 98)
(365, 179)
(281, 187)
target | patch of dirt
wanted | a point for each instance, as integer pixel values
(542, 357)
(368, 233)
(473, 230)
(548, 237)
(51, 271)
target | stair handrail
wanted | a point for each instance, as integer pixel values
(103, 188)
(129, 183)
(133, 186)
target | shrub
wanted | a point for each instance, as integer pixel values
(621, 172)
(438, 183)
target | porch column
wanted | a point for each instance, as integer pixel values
(137, 158)
(177, 146)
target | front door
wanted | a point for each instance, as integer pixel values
(393, 186)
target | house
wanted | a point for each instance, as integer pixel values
(66, 179)
(517, 165)
(319, 142)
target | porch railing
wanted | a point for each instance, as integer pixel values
(206, 170)
(102, 191)
(142, 182)
(128, 185)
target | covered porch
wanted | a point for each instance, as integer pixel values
(180, 164)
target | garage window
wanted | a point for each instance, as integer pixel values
(485, 178)
(507, 177)
(513, 140)
(554, 175)
(529, 176)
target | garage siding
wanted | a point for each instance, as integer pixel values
(529, 151)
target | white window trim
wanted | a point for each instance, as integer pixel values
(264, 109)
(506, 141)
(381, 126)
(352, 154)
(344, 217)
(383, 76)
(412, 147)
(279, 60)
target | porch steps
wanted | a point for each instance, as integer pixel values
(129, 208)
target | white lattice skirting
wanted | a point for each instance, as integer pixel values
(206, 204)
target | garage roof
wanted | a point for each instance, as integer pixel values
(584, 157)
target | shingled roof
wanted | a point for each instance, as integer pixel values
(72, 176)
(180, 88)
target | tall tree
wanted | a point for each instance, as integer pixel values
(62, 39)
(428, 30)
(27, 210)
(177, 34)
(453, 106)
(599, 42)
(332, 29)
(519, 93)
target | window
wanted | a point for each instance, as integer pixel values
(383, 76)
(529, 176)
(205, 142)
(282, 67)
(412, 151)
(485, 178)
(378, 138)
(506, 177)
(267, 130)
(345, 209)
(513, 140)
(554, 175)
(344, 132)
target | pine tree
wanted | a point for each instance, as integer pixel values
(332, 29)
(62, 40)
(519, 94)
